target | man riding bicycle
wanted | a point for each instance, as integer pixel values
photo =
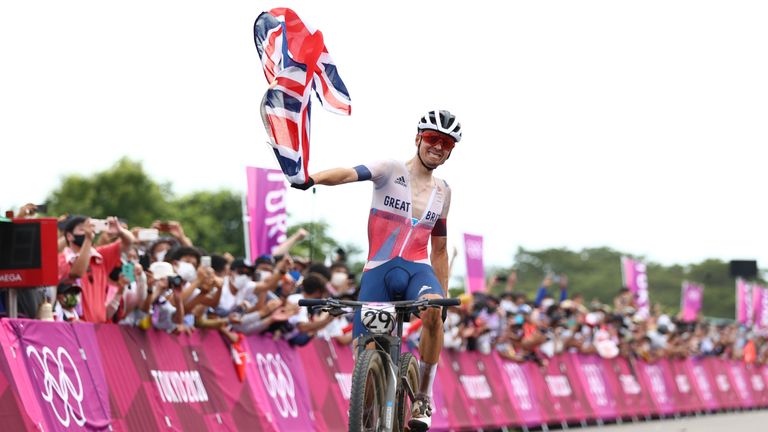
(409, 207)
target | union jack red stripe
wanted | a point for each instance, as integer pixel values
(296, 63)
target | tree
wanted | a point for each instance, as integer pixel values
(124, 190)
(213, 220)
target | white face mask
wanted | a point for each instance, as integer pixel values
(241, 281)
(186, 271)
(339, 279)
(264, 275)
(160, 256)
(508, 305)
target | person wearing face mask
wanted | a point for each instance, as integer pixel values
(159, 249)
(90, 266)
(67, 298)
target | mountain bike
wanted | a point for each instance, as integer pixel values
(384, 378)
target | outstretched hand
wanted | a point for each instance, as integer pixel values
(310, 182)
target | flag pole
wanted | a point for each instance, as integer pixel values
(246, 227)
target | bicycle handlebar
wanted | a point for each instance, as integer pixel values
(444, 302)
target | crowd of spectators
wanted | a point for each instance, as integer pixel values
(156, 277)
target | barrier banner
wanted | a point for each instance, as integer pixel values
(275, 369)
(330, 366)
(738, 376)
(723, 387)
(764, 371)
(568, 402)
(265, 203)
(61, 381)
(657, 380)
(633, 399)
(478, 376)
(590, 373)
(459, 411)
(703, 385)
(517, 378)
(13, 416)
(686, 397)
(758, 383)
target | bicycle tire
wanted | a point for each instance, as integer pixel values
(409, 368)
(368, 393)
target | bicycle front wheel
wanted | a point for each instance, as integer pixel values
(409, 368)
(368, 393)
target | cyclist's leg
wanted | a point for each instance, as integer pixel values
(424, 284)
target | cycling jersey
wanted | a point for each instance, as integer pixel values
(393, 231)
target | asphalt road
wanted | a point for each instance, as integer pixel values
(750, 421)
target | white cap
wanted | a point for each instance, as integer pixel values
(161, 270)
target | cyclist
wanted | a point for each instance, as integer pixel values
(409, 207)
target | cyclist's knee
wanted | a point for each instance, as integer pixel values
(431, 318)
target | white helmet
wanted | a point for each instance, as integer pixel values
(441, 121)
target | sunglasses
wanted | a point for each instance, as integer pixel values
(433, 139)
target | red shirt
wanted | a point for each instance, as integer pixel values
(94, 280)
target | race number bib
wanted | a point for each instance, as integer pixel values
(378, 318)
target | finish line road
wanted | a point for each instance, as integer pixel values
(750, 421)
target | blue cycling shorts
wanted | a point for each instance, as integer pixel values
(395, 280)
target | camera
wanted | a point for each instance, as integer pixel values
(174, 281)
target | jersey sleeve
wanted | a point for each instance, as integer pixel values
(378, 172)
(441, 226)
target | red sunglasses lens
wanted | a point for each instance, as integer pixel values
(434, 139)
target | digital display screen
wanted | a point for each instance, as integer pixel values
(19, 246)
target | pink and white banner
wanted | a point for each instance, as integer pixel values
(636, 279)
(473, 250)
(61, 376)
(760, 305)
(745, 306)
(265, 204)
(691, 300)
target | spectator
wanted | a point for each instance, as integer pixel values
(91, 265)
(543, 291)
(67, 299)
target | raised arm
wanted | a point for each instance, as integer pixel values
(335, 176)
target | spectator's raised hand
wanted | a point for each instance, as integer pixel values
(113, 226)
(27, 210)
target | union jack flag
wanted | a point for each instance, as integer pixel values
(296, 63)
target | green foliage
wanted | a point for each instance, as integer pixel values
(213, 220)
(596, 273)
(124, 190)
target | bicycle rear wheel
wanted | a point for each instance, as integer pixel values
(409, 368)
(368, 393)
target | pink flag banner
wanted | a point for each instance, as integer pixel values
(724, 388)
(760, 305)
(473, 250)
(265, 203)
(745, 310)
(636, 280)
(691, 300)
(564, 391)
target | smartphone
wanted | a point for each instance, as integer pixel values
(41, 208)
(99, 225)
(148, 234)
(164, 226)
(205, 261)
(128, 271)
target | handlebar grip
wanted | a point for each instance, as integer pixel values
(445, 302)
(313, 302)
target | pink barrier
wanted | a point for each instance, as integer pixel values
(58, 376)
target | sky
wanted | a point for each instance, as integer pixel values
(641, 126)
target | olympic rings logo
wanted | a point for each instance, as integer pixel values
(278, 381)
(61, 384)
